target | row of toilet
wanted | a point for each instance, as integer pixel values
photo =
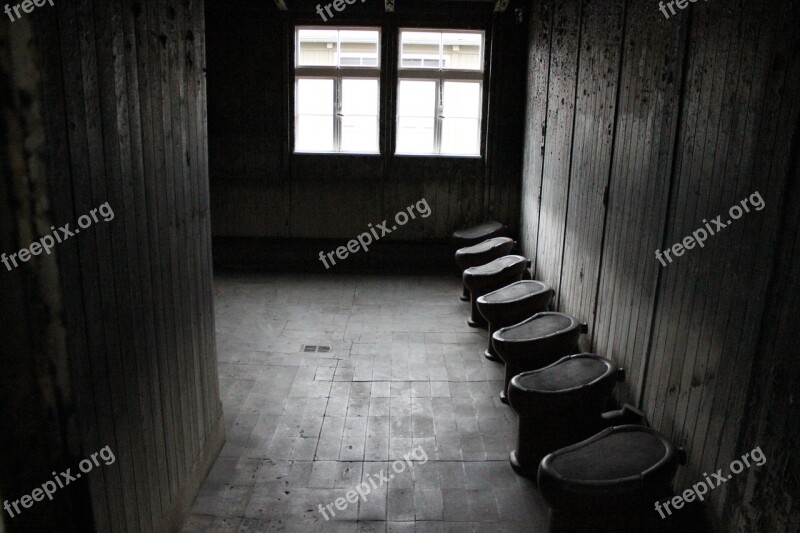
(597, 471)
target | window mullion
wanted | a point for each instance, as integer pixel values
(337, 108)
(440, 98)
(441, 51)
(437, 124)
(337, 114)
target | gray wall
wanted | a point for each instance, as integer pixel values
(129, 350)
(639, 128)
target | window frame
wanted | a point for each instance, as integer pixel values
(440, 76)
(337, 73)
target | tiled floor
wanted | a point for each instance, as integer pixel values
(403, 371)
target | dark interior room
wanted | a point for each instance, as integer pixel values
(299, 265)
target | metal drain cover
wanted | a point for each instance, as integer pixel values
(313, 348)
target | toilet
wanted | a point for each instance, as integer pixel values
(610, 481)
(477, 234)
(483, 279)
(482, 253)
(535, 343)
(559, 405)
(512, 304)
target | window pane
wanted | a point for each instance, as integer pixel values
(415, 135)
(455, 51)
(317, 47)
(359, 134)
(460, 136)
(359, 48)
(314, 133)
(314, 96)
(461, 99)
(416, 116)
(420, 49)
(359, 115)
(314, 108)
(462, 51)
(359, 97)
(416, 98)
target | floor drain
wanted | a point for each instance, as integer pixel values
(313, 348)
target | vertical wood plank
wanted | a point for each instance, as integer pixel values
(558, 141)
(539, 40)
(601, 46)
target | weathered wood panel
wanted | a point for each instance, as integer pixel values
(125, 98)
(771, 492)
(335, 194)
(506, 111)
(595, 118)
(711, 300)
(707, 110)
(39, 385)
(539, 40)
(650, 81)
(558, 141)
(764, 156)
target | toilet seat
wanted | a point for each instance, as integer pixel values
(535, 343)
(558, 405)
(482, 253)
(511, 304)
(619, 467)
(574, 380)
(476, 254)
(539, 326)
(476, 234)
(501, 265)
(516, 293)
(480, 280)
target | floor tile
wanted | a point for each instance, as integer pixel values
(306, 431)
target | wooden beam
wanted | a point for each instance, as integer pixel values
(281, 4)
(501, 5)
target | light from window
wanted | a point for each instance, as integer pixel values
(440, 92)
(314, 131)
(461, 106)
(426, 49)
(359, 115)
(317, 48)
(337, 91)
(416, 116)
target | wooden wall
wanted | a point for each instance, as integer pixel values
(259, 188)
(638, 128)
(40, 433)
(123, 100)
(771, 495)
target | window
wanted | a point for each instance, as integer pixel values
(337, 90)
(439, 92)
